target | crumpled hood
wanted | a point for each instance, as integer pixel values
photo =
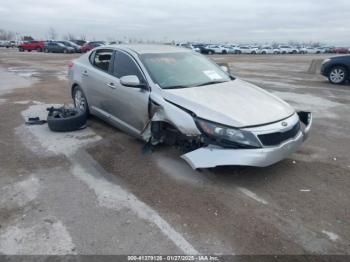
(235, 103)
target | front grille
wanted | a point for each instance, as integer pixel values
(274, 139)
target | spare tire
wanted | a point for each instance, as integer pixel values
(66, 119)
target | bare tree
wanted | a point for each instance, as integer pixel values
(51, 33)
(6, 35)
(69, 37)
(83, 37)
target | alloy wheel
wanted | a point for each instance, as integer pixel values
(337, 75)
(79, 101)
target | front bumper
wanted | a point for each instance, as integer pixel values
(212, 156)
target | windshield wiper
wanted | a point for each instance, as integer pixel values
(211, 83)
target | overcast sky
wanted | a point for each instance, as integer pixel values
(206, 20)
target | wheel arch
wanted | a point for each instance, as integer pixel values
(330, 67)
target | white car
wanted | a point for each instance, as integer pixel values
(302, 50)
(287, 49)
(216, 49)
(266, 50)
(313, 50)
(232, 49)
(248, 50)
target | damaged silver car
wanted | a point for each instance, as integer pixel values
(165, 94)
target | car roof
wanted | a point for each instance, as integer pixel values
(147, 48)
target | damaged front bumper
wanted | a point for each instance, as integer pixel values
(212, 156)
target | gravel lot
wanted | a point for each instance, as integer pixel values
(94, 192)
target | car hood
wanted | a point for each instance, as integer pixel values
(235, 103)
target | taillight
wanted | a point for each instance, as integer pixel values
(70, 65)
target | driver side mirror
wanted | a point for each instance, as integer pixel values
(131, 81)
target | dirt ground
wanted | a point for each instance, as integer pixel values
(95, 192)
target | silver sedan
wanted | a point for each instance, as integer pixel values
(166, 94)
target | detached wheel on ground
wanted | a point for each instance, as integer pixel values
(65, 119)
(338, 75)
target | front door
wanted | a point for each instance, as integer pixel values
(129, 104)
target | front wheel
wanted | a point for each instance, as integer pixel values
(80, 101)
(338, 75)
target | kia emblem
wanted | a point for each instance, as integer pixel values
(284, 124)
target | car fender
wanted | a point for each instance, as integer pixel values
(163, 110)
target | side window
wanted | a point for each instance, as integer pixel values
(91, 57)
(124, 65)
(102, 59)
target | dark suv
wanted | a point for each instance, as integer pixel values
(337, 69)
(56, 47)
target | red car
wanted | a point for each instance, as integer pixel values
(32, 45)
(91, 45)
(341, 50)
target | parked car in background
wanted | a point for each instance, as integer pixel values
(7, 44)
(248, 50)
(190, 46)
(232, 49)
(336, 69)
(79, 42)
(287, 49)
(57, 47)
(301, 49)
(341, 50)
(313, 50)
(77, 48)
(31, 45)
(215, 49)
(91, 45)
(181, 98)
(3, 43)
(265, 50)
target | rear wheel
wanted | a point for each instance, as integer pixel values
(38, 49)
(21, 49)
(338, 75)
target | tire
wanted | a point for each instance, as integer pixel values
(65, 51)
(210, 52)
(294, 52)
(224, 52)
(263, 52)
(46, 50)
(80, 101)
(21, 49)
(38, 49)
(65, 119)
(338, 75)
(253, 53)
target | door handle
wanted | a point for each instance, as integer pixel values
(111, 85)
(85, 73)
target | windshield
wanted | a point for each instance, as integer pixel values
(183, 69)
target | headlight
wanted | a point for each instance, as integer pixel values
(228, 134)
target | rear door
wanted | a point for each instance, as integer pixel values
(95, 79)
